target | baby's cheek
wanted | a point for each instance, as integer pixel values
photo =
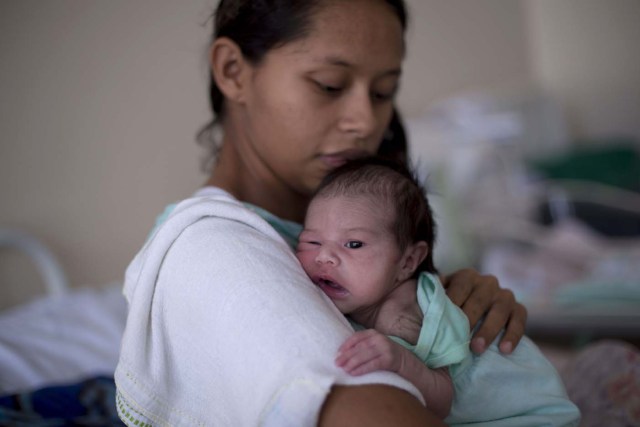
(305, 258)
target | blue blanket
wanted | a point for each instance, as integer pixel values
(87, 403)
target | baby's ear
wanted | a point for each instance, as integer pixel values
(413, 256)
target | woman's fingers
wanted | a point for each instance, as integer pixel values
(481, 296)
(458, 286)
(505, 313)
(496, 319)
(473, 292)
(515, 329)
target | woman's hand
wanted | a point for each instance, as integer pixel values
(479, 295)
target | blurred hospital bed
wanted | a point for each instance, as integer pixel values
(556, 220)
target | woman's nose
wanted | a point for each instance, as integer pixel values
(327, 256)
(359, 116)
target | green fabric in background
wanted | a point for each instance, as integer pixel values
(614, 162)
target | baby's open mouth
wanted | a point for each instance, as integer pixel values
(331, 283)
(331, 288)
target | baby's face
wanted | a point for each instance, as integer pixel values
(348, 250)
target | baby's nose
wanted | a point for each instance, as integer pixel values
(327, 256)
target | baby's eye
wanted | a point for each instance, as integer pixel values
(353, 244)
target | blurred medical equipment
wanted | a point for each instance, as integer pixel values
(62, 335)
(547, 237)
(46, 263)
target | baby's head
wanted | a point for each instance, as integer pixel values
(368, 227)
(394, 189)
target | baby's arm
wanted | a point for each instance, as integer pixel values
(369, 350)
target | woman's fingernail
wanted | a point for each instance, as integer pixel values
(478, 345)
(506, 347)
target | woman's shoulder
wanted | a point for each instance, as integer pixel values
(211, 191)
(209, 224)
(213, 206)
(208, 192)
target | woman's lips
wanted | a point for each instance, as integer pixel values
(333, 160)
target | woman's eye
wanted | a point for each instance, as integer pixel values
(384, 96)
(329, 89)
(353, 244)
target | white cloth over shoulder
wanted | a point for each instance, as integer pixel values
(224, 327)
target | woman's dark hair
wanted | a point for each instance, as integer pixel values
(257, 26)
(398, 187)
(394, 144)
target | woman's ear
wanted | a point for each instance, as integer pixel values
(228, 67)
(413, 256)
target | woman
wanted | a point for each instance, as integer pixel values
(224, 328)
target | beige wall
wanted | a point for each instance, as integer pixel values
(101, 101)
(100, 104)
(587, 53)
(462, 45)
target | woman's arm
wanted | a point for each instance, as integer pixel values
(480, 295)
(374, 406)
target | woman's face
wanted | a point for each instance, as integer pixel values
(316, 102)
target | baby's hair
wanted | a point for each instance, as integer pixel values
(398, 187)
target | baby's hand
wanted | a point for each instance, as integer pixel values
(368, 351)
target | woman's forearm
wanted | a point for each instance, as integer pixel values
(374, 406)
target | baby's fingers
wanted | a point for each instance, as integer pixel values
(357, 339)
(359, 363)
(360, 353)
